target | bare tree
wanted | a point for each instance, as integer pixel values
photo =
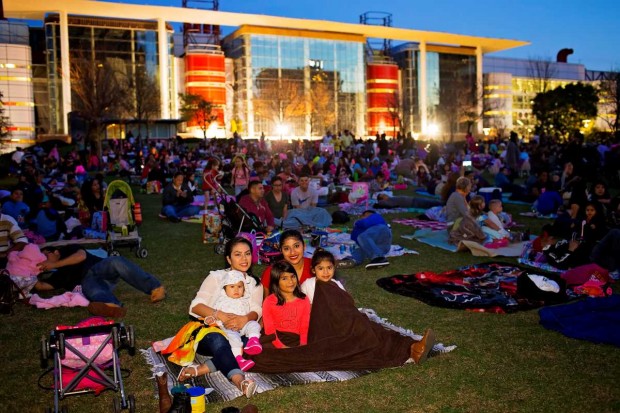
(395, 111)
(278, 100)
(99, 89)
(195, 108)
(323, 116)
(145, 105)
(609, 95)
(541, 70)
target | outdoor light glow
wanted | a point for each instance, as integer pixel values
(281, 129)
(432, 129)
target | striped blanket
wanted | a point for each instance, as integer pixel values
(422, 223)
(224, 390)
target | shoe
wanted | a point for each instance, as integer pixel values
(165, 401)
(181, 403)
(174, 220)
(346, 263)
(106, 309)
(158, 294)
(192, 371)
(377, 263)
(253, 347)
(244, 364)
(420, 350)
(248, 387)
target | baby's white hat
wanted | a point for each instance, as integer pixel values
(233, 277)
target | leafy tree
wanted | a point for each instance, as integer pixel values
(563, 109)
(609, 94)
(195, 108)
(99, 90)
(145, 105)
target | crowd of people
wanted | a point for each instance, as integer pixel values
(61, 196)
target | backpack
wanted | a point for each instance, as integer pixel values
(9, 293)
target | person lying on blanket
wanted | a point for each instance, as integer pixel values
(373, 237)
(238, 257)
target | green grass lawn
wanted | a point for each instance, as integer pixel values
(503, 363)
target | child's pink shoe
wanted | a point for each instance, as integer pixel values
(244, 364)
(253, 347)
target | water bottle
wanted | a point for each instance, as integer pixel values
(343, 248)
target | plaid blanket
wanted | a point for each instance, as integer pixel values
(422, 223)
(223, 390)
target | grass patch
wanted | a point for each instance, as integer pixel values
(503, 363)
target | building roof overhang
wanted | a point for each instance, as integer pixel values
(37, 10)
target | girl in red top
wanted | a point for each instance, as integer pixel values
(286, 311)
(210, 179)
(292, 247)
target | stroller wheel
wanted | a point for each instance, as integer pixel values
(45, 352)
(142, 252)
(132, 403)
(220, 249)
(114, 253)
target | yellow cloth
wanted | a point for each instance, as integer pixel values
(182, 348)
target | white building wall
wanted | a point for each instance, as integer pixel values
(16, 87)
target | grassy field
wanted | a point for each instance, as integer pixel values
(503, 363)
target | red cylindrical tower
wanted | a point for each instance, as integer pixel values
(383, 106)
(205, 76)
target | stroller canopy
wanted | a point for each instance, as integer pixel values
(120, 214)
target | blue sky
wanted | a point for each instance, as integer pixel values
(590, 28)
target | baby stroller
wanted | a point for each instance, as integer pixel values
(86, 360)
(234, 219)
(122, 229)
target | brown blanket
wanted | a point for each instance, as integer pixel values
(340, 338)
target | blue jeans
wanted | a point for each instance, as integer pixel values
(99, 282)
(217, 346)
(373, 243)
(177, 211)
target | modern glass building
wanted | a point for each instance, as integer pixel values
(123, 47)
(448, 90)
(297, 82)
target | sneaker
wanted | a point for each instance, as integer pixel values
(346, 263)
(253, 347)
(174, 219)
(106, 309)
(158, 294)
(244, 364)
(377, 263)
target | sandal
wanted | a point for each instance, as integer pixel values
(248, 387)
(184, 374)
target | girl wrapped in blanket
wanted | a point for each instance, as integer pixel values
(323, 267)
(235, 299)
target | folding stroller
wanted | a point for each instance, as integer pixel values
(122, 229)
(86, 360)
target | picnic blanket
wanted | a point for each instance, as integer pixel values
(341, 245)
(488, 287)
(505, 197)
(422, 223)
(593, 319)
(224, 390)
(439, 239)
(358, 209)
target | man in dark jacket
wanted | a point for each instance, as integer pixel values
(177, 200)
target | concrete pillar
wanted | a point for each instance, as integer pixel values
(423, 94)
(164, 68)
(479, 89)
(65, 69)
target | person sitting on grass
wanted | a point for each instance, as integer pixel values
(491, 225)
(98, 277)
(235, 299)
(177, 200)
(286, 310)
(323, 268)
(373, 238)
